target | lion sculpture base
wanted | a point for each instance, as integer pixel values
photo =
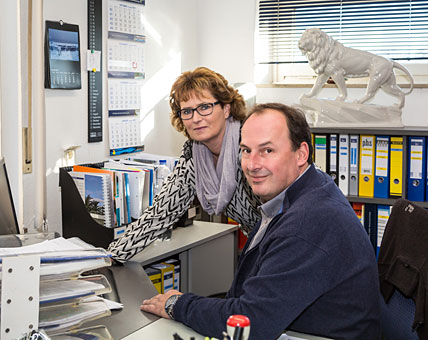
(325, 112)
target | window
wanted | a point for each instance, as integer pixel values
(394, 29)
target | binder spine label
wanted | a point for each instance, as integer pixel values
(353, 157)
(382, 157)
(333, 152)
(416, 156)
(366, 155)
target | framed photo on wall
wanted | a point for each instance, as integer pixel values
(62, 56)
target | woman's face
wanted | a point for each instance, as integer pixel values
(206, 129)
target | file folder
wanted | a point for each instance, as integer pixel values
(370, 223)
(359, 211)
(396, 166)
(381, 183)
(366, 177)
(333, 158)
(344, 163)
(155, 275)
(383, 212)
(321, 151)
(177, 266)
(353, 164)
(167, 275)
(416, 173)
(313, 143)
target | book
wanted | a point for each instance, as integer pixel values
(96, 192)
(135, 197)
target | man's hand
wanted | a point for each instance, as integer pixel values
(156, 305)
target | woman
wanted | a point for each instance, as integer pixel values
(209, 112)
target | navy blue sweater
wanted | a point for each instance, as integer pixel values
(314, 271)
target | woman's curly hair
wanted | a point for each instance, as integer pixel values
(195, 82)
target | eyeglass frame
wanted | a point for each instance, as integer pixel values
(196, 109)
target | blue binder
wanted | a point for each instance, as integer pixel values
(416, 168)
(370, 223)
(383, 212)
(381, 182)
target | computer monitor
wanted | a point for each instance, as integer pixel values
(8, 220)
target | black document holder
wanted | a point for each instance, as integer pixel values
(76, 220)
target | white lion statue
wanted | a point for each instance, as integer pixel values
(330, 58)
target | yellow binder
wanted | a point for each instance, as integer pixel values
(366, 166)
(155, 275)
(396, 166)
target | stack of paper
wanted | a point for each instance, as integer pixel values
(66, 298)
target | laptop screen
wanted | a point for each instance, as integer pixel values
(8, 221)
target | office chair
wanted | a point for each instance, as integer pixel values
(397, 317)
(403, 267)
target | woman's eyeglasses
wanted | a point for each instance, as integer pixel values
(203, 109)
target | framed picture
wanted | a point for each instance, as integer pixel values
(62, 56)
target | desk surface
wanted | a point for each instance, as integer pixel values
(133, 286)
(183, 239)
(163, 329)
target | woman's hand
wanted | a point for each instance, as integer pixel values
(156, 305)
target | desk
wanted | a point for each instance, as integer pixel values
(204, 248)
(163, 329)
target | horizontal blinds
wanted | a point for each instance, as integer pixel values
(394, 29)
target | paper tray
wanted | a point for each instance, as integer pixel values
(65, 317)
(73, 290)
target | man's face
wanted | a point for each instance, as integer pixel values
(268, 159)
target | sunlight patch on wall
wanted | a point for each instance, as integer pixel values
(151, 31)
(158, 86)
(147, 124)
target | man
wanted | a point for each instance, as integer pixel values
(309, 266)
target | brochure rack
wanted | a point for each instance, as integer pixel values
(76, 220)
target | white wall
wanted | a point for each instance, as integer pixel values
(226, 35)
(11, 97)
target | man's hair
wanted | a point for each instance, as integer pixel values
(195, 82)
(296, 123)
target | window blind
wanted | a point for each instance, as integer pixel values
(394, 29)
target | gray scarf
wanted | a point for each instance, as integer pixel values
(216, 185)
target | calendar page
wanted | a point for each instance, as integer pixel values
(124, 132)
(125, 56)
(124, 96)
(125, 18)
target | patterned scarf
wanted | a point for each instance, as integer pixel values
(215, 185)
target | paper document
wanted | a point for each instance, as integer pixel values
(67, 289)
(65, 316)
(63, 257)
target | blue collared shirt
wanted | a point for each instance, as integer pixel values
(269, 210)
